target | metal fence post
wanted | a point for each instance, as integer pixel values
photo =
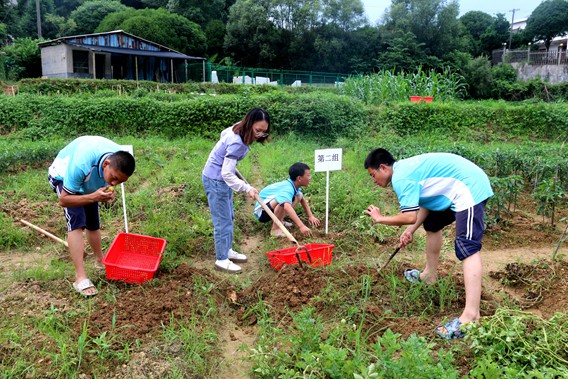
(529, 54)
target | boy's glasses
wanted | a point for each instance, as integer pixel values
(373, 174)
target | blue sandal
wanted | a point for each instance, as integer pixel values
(452, 328)
(412, 275)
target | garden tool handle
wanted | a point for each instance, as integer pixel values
(269, 212)
(276, 220)
(44, 232)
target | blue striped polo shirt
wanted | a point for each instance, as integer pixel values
(439, 181)
(282, 192)
(79, 165)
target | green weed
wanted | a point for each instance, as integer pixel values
(521, 342)
(196, 338)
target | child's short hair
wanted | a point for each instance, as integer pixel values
(297, 169)
(123, 161)
(378, 157)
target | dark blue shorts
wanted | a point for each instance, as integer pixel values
(265, 217)
(86, 216)
(469, 227)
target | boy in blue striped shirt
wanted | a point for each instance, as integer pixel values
(434, 190)
(282, 197)
(81, 175)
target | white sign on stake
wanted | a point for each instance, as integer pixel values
(130, 149)
(327, 160)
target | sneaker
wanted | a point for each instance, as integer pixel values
(287, 224)
(227, 266)
(236, 257)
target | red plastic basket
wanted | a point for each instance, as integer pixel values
(133, 258)
(320, 254)
(417, 99)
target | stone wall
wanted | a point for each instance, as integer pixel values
(552, 74)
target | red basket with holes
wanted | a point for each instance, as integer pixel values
(314, 254)
(133, 258)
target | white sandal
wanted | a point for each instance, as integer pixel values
(84, 285)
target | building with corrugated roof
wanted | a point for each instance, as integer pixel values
(113, 55)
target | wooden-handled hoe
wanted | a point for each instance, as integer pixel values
(280, 225)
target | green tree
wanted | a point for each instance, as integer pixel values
(403, 52)
(89, 15)
(198, 11)
(345, 14)
(250, 34)
(364, 47)
(215, 32)
(548, 20)
(26, 23)
(431, 26)
(22, 59)
(160, 26)
(155, 3)
(7, 15)
(61, 25)
(476, 23)
(65, 7)
(494, 37)
(331, 48)
(297, 34)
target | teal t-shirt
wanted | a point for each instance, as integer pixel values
(79, 165)
(439, 181)
(282, 192)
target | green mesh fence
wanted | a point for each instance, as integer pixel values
(248, 75)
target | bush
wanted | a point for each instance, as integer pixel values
(23, 59)
(479, 78)
(324, 116)
(127, 87)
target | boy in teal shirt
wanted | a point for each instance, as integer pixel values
(435, 190)
(81, 175)
(283, 196)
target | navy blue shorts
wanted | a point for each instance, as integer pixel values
(265, 217)
(469, 227)
(86, 216)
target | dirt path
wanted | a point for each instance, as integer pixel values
(237, 340)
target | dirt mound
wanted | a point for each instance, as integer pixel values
(288, 290)
(140, 311)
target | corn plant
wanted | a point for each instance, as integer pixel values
(388, 86)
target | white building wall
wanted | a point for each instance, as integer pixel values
(56, 61)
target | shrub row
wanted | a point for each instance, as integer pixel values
(484, 122)
(129, 87)
(534, 89)
(324, 116)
